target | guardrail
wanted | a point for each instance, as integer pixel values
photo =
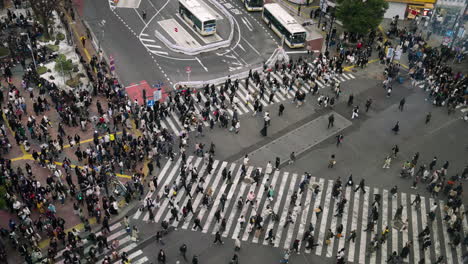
(278, 54)
(209, 47)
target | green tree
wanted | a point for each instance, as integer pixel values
(361, 16)
(63, 66)
(43, 11)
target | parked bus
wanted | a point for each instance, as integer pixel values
(198, 16)
(284, 25)
(253, 5)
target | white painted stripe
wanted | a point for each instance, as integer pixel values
(354, 221)
(152, 46)
(414, 226)
(215, 206)
(404, 216)
(200, 195)
(148, 40)
(165, 204)
(127, 248)
(423, 224)
(244, 210)
(362, 239)
(134, 255)
(173, 127)
(117, 234)
(176, 118)
(214, 186)
(295, 212)
(384, 215)
(267, 201)
(144, 34)
(378, 230)
(333, 225)
(241, 192)
(345, 220)
(448, 248)
(346, 77)
(435, 235)
(192, 192)
(395, 246)
(141, 261)
(277, 201)
(324, 215)
(159, 52)
(283, 216)
(313, 220)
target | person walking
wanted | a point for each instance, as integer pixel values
(280, 110)
(368, 104)
(331, 120)
(197, 224)
(237, 244)
(394, 191)
(183, 251)
(218, 238)
(350, 100)
(402, 104)
(161, 257)
(360, 187)
(396, 128)
(270, 236)
(428, 118)
(339, 139)
(352, 236)
(387, 162)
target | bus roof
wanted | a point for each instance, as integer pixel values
(198, 9)
(284, 17)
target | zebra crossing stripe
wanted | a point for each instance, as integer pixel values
(199, 196)
(323, 222)
(266, 202)
(362, 239)
(191, 191)
(333, 225)
(295, 212)
(235, 208)
(173, 127)
(414, 226)
(243, 213)
(127, 248)
(277, 202)
(285, 212)
(345, 220)
(141, 261)
(354, 221)
(373, 256)
(448, 249)
(424, 223)
(215, 206)
(148, 40)
(244, 233)
(168, 181)
(435, 234)
(305, 213)
(393, 232)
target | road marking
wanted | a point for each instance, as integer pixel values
(147, 40)
(297, 52)
(142, 20)
(199, 61)
(152, 46)
(247, 25)
(363, 236)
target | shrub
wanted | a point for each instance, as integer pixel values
(53, 48)
(62, 65)
(41, 70)
(73, 82)
(60, 36)
(4, 51)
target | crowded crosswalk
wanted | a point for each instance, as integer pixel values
(304, 212)
(172, 121)
(119, 241)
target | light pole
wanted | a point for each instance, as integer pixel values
(101, 24)
(30, 48)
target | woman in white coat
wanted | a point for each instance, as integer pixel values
(269, 169)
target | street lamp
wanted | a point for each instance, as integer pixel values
(101, 24)
(30, 48)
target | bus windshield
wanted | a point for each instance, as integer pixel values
(209, 25)
(255, 3)
(298, 37)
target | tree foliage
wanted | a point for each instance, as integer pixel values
(360, 16)
(43, 10)
(63, 65)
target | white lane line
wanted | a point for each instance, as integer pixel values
(142, 20)
(395, 246)
(252, 210)
(141, 261)
(414, 226)
(354, 220)
(127, 248)
(171, 124)
(159, 52)
(135, 254)
(267, 202)
(147, 40)
(283, 216)
(404, 201)
(215, 206)
(199, 61)
(235, 209)
(333, 225)
(324, 215)
(305, 213)
(152, 46)
(168, 180)
(313, 220)
(365, 216)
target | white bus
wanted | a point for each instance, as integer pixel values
(284, 25)
(198, 16)
(253, 5)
